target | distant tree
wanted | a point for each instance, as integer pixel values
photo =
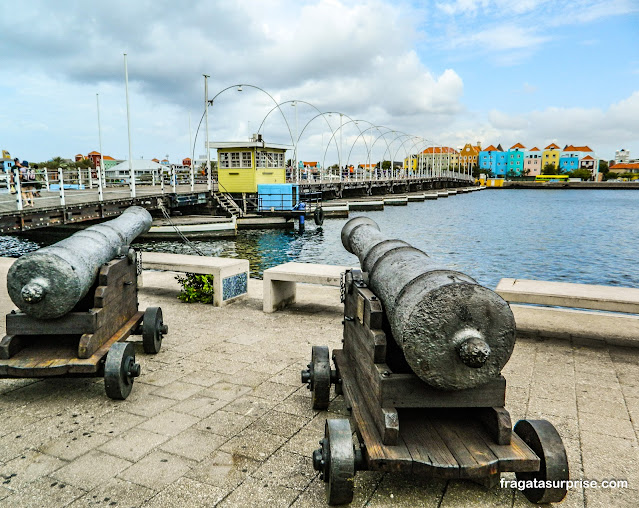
(54, 163)
(386, 165)
(584, 174)
(604, 169)
(83, 164)
(550, 169)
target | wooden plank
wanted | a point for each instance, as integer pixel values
(516, 457)
(12, 344)
(378, 456)
(472, 436)
(90, 365)
(373, 312)
(362, 363)
(407, 390)
(497, 423)
(108, 294)
(470, 463)
(110, 319)
(428, 450)
(114, 269)
(71, 323)
(373, 339)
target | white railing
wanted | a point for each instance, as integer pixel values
(64, 186)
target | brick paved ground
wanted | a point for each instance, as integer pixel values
(219, 417)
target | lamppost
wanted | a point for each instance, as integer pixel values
(297, 167)
(209, 181)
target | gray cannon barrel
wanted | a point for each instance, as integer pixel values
(49, 282)
(455, 334)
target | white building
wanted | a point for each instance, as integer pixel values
(144, 169)
(622, 156)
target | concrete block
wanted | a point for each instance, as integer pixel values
(564, 294)
(613, 328)
(280, 281)
(230, 275)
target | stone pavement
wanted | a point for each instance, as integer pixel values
(219, 417)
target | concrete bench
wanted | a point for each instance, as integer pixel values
(280, 281)
(611, 315)
(230, 275)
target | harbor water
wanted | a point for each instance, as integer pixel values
(582, 236)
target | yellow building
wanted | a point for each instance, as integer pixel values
(440, 157)
(469, 155)
(550, 155)
(242, 166)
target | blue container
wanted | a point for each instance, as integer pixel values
(276, 196)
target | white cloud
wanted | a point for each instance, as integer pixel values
(355, 57)
(604, 130)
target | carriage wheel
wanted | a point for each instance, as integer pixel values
(152, 330)
(542, 437)
(335, 461)
(318, 377)
(120, 369)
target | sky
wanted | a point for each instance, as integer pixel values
(398, 76)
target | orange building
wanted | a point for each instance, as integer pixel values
(469, 155)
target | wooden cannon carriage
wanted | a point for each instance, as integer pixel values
(44, 340)
(405, 424)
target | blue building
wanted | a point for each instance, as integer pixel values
(493, 159)
(516, 159)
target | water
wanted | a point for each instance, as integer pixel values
(582, 236)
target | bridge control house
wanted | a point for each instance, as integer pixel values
(243, 166)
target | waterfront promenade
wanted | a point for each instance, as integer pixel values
(220, 418)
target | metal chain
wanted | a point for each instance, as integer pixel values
(188, 242)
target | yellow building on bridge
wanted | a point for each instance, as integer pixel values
(241, 167)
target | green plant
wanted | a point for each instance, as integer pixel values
(196, 288)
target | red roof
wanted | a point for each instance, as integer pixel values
(93, 153)
(588, 157)
(534, 149)
(572, 148)
(518, 145)
(108, 158)
(625, 165)
(439, 149)
(552, 146)
(490, 148)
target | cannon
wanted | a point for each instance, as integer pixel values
(49, 282)
(420, 370)
(77, 303)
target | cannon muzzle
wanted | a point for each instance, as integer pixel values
(49, 282)
(454, 333)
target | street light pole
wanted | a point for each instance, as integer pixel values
(206, 114)
(128, 123)
(101, 166)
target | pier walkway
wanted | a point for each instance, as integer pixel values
(77, 205)
(220, 418)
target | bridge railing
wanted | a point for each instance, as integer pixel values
(334, 176)
(62, 186)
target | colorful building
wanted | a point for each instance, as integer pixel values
(6, 162)
(571, 155)
(469, 156)
(532, 162)
(440, 158)
(494, 160)
(242, 166)
(550, 155)
(516, 159)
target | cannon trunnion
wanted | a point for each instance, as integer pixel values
(406, 422)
